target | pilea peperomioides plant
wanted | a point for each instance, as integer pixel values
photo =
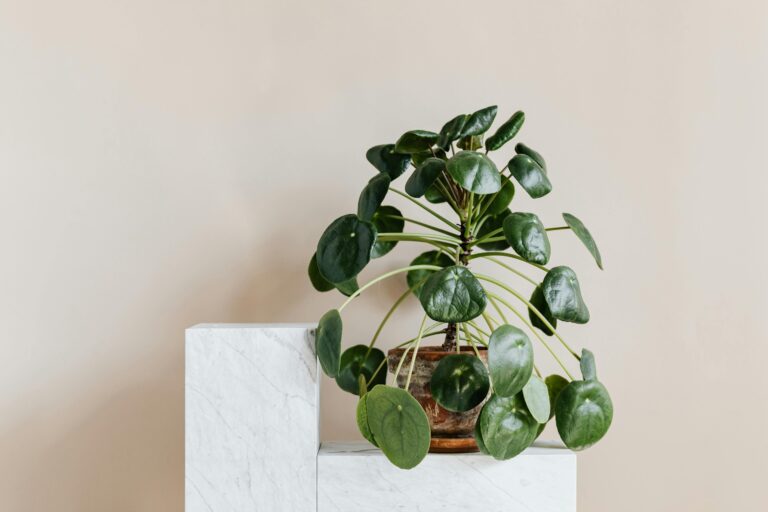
(485, 371)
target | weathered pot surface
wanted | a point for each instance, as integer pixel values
(451, 431)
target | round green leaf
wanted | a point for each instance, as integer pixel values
(328, 342)
(585, 236)
(386, 160)
(538, 301)
(451, 131)
(470, 142)
(415, 141)
(414, 277)
(536, 398)
(563, 295)
(460, 382)
(587, 363)
(530, 176)
(347, 287)
(491, 224)
(479, 438)
(434, 196)
(474, 172)
(583, 412)
(345, 248)
(479, 122)
(453, 295)
(424, 176)
(510, 360)
(419, 158)
(385, 222)
(354, 363)
(506, 132)
(503, 198)
(522, 149)
(362, 419)
(399, 425)
(507, 427)
(372, 196)
(527, 236)
(555, 385)
(318, 281)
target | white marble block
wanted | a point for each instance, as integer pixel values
(357, 476)
(251, 418)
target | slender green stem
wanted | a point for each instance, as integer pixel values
(558, 228)
(468, 220)
(489, 237)
(488, 254)
(535, 333)
(477, 352)
(536, 369)
(415, 353)
(446, 191)
(385, 276)
(422, 224)
(419, 237)
(532, 308)
(478, 329)
(498, 309)
(488, 319)
(430, 210)
(389, 314)
(514, 271)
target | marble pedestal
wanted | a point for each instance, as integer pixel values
(251, 419)
(357, 476)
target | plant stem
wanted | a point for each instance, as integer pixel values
(389, 314)
(419, 237)
(419, 223)
(487, 236)
(385, 276)
(558, 228)
(533, 330)
(532, 308)
(498, 309)
(415, 353)
(488, 254)
(430, 210)
(514, 271)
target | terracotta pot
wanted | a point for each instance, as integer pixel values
(451, 431)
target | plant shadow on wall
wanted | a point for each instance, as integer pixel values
(481, 388)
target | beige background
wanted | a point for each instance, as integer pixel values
(166, 163)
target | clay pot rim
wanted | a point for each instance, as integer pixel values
(434, 352)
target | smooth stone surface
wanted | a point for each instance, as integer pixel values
(357, 476)
(251, 418)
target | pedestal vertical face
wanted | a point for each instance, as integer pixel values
(251, 418)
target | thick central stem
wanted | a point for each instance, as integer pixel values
(465, 250)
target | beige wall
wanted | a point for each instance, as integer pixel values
(165, 163)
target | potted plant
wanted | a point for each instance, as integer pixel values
(480, 388)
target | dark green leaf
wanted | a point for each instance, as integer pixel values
(555, 384)
(528, 237)
(424, 176)
(415, 141)
(318, 281)
(536, 398)
(453, 295)
(587, 363)
(510, 360)
(345, 248)
(354, 364)
(506, 132)
(503, 197)
(479, 122)
(506, 426)
(522, 149)
(399, 425)
(362, 419)
(585, 236)
(386, 160)
(372, 196)
(434, 196)
(328, 342)
(563, 295)
(470, 142)
(418, 158)
(451, 131)
(540, 303)
(460, 382)
(474, 172)
(385, 222)
(530, 176)
(347, 287)
(583, 412)
(490, 225)
(414, 277)
(479, 438)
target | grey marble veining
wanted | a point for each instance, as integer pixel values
(251, 441)
(357, 476)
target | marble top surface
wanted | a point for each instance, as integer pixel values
(363, 448)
